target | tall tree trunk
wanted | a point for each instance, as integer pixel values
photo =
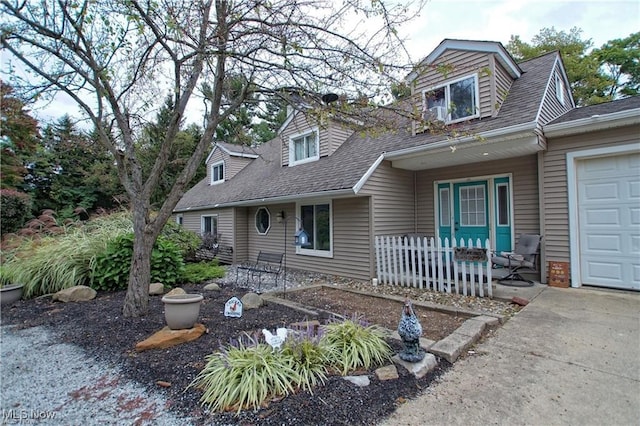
(136, 301)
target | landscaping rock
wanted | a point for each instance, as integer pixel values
(418, 369)
(388, 372)
(167, 338)
(519, 301)
(156, 289)
(251, 301)
(79, 293)
(211, 287)
(361, 381)
(176, 291)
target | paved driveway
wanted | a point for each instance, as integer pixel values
(570, 357)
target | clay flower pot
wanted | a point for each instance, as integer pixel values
(181, 310)
(10, 293)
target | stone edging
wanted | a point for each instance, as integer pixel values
(449, 348)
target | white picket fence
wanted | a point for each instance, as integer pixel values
(427, 263)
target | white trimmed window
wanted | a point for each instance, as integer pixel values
(263, 221)
(454, 101)
(317, 221)
(304, 148)
(217, 172)
(179, 219)
(559, 89)
(209, 225)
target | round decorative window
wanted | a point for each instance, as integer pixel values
(263, 220)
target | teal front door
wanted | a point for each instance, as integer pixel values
(479, 209)
(471, 211)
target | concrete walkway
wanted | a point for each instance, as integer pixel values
(570, 357)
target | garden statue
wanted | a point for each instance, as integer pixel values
(410, 331)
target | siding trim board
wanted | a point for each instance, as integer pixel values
(572, 159)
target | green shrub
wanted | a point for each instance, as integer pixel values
(5, 278)
(187, 241)
(52, 263)
(351, 344)
(46, 263)
(111, 271)
(196, 273)
(309, 358)
(16, 210)
(244, 376)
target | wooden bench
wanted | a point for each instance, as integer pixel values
(266, 263)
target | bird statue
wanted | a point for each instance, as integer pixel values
(410, 331)
(275, 340)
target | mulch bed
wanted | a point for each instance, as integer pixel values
(100, 330)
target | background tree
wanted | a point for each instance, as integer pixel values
(151, 142)
(116, 58)
(618, 59)
(69, 171)
(588, 83)
(18, 138)
(271, 114)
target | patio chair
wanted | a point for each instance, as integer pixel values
(523, 259)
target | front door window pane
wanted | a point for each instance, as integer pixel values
(503, 204)
(472, 206)
(445, 214)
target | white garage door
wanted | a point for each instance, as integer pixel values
(609, 215)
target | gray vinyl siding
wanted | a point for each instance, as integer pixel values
(226, 224)
(233, 165)
(241, 242)
(460, 64)
(555, 192)
(338, 133)
(503, 82)
(551, 107)
(193, 222)
(524, 172)
(351, 239)
(393, 200)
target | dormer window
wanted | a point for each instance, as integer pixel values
(217, 173)
(455, 101)
(304, 148)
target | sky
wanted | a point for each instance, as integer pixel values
(498, 20)
(491, 20)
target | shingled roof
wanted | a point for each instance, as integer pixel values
(265, 180)
(599, 109)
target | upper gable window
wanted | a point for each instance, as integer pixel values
(559, 89)
(455, 101)
(304, 148)
(217, 173)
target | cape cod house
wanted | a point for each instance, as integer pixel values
(521, 159)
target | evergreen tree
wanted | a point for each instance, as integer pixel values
(18, 138)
